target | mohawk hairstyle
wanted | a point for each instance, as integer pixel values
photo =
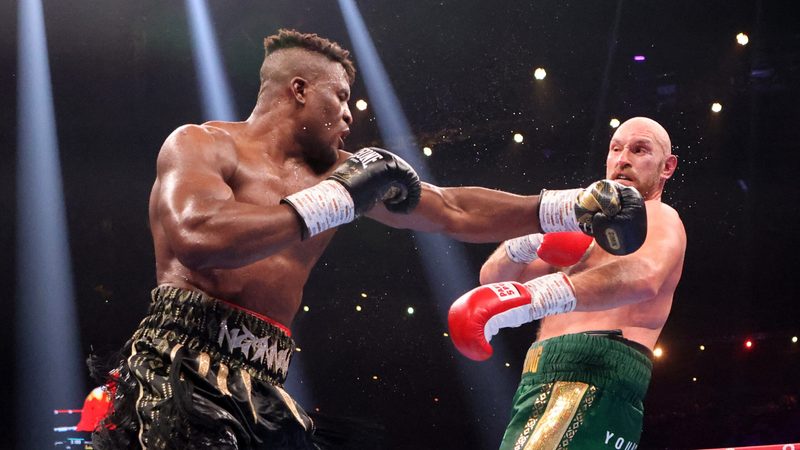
(314, 43)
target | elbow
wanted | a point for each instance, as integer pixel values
(647, 290)
(488, 273)
(191, 247)
(192, 254)
(648, 286)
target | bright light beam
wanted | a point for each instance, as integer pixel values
(47, 351)
(446, 279)
(214, 88)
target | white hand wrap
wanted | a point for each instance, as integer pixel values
(522, 250)
(557, 210)
(551, 294)
(323, 206)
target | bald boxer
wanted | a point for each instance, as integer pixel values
(585, 376)
(241, 211)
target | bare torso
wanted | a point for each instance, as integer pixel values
(272, 286)
(642, 321)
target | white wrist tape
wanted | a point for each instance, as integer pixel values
(323, 206)
(551, 294)
(523, 249)
(557, 210)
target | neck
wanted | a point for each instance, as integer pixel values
(655, 195)
(272, 126)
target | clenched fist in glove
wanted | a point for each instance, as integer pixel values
(480, 313)
(612, 213)
(562, 249)
(368, 176)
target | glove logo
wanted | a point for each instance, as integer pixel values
(367, 156)
(505, 291)
(613, 239)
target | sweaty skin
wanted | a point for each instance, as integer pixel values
(634, 292)
(215, 213)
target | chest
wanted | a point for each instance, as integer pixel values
(262, 183)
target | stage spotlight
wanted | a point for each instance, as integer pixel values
(702, 348)
(214, 89)
(716, 107)
(539, 73)
(658, 352)
(794, 339)
(742, 39)
(436, 251)
(639, 58)
(518, 138)
(427, 151)
(361, 105)
(614, 123)
(748, 344)
(49, 372)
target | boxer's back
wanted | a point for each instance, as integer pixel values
(271, 286)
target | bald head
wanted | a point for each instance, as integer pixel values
(640, 155)
(647, 126)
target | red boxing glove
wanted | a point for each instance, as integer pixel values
(95, 408)
(480, 313)
(564, 249)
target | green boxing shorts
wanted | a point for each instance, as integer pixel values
(580, 392)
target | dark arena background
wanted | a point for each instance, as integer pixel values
(723, 77)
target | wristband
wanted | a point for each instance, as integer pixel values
(551, 294)
(557, 210)
(322, 207)
(522, 250)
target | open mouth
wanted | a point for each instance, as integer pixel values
(622, 177)
(342, 137)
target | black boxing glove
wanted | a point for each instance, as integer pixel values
(374, 174)
(625, 231)
(366, 177)
(612, 213)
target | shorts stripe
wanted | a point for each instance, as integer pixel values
(564, 401)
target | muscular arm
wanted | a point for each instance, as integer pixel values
(204, 224)
(469, 214)
(641, 275)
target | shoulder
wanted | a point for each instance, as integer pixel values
(201, 144)
(198, 136)
(663, 218)
(663, 211)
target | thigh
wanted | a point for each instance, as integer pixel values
(570, 415)
(171, 411)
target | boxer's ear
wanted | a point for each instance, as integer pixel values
(299, 87)
(670, 164)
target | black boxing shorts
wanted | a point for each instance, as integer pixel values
(200, 373)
